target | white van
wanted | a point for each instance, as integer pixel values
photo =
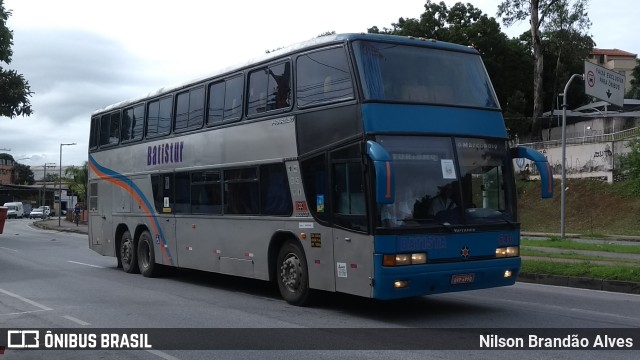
(15, 210)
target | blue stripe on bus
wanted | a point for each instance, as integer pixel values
(445, 120)
(132, 188)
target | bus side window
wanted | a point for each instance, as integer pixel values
(274, 190)
(348, 186)
(314, 180)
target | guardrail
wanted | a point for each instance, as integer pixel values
(591, 139)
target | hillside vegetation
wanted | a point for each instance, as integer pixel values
(592, 208)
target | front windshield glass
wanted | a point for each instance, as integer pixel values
(442, 181)
(413, 74)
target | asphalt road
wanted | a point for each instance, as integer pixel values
(50, 279)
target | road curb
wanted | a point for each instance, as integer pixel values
(628, 287)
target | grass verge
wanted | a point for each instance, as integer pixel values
(576, 256)
(576, 245)
(584, 269)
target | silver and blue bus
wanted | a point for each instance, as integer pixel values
(371, 165)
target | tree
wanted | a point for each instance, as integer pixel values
(634, 92)
(78, 176)
(24, 175)
(552, 15)
(14, 89)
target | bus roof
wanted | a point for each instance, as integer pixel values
(309, 44)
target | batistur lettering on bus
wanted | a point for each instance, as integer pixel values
(169, 153)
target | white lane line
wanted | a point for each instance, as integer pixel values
(79, 263)
(25, 300)
(8, 249)
(162, 355)
(22, 312)
(76, 320)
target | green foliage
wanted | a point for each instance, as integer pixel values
(78, 180)
(562, 22)
(630, 164)
(14, 89)
(24, 175)
(576, 245)
(634, 91)
(582, 269)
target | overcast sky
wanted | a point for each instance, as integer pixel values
(79, 55)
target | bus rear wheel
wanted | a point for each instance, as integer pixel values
(128, 254)
(292, 274)
(146, 256)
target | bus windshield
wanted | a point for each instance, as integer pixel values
(447, 181)
(412, 74)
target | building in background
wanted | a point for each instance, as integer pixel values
(620, 61)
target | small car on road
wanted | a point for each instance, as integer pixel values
(39, 213)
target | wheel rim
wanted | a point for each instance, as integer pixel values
(291, 272)
(126, 251)
(145, 253)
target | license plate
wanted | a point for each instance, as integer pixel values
(462, 279)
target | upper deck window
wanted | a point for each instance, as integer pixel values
(322, 77)
(159, 117)
(225, 100)
(190, 109)
(132, 123)
(269, 89)
(110, 129)
(413, 74)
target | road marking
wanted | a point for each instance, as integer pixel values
(75, 320)
(25, 300)
(162, 355)
(23, 312)
(79, 263)
(8, 249)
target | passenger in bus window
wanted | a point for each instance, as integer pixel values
(443, 201)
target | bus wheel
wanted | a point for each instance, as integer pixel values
(292, 274)
(128, 254)
(146, 255)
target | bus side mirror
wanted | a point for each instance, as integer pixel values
(546, 175)
(385, 182)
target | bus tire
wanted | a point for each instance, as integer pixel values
(146, 256)
(128, 256)
(292, 274)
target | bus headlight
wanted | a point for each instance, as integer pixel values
(509, 251)
(404, 259)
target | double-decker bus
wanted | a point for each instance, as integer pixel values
(371, 165)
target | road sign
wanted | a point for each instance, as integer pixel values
(603, 83)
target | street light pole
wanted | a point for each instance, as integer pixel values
(60, 183)
(564, 153)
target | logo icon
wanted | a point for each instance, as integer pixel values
(465, 252)
(23, 339)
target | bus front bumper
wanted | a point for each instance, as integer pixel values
(419, 280)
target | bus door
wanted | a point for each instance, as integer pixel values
(353, 248)
(164, 237)
(99, 209)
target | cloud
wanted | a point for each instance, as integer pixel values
(72, 73)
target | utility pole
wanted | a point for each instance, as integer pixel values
(44, 182)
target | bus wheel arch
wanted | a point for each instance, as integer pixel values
(290, 269)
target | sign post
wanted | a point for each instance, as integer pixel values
(604, 84)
